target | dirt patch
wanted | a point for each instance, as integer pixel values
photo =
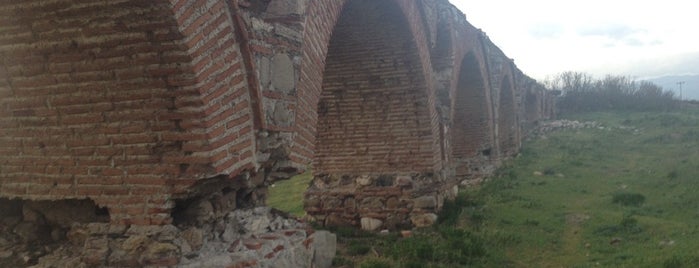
(576, 219)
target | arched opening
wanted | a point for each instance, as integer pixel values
(507, 124)
(373, 115)
(472, 130)
(374, 129)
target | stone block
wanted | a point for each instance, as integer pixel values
(404, 181)
(281, 113)
(423, 220)
(425, 202)
(77, 235)
(283, 79)
(364, 181)
(350, 204)
(324, 247)
(392, 203)
(372, 203)
(311, 201)
(337, 220)
(332, 202)
(160, 254)
(371, 224)
(194, 237)
(136, 243)
(95, 251)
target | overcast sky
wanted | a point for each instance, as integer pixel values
(641, 39)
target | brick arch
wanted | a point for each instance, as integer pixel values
(507, 119)
(472, 131)
(140, 104)
(443, 48)
(373, 112)
(533, 104)
(321, 19)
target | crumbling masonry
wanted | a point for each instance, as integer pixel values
(145, 108)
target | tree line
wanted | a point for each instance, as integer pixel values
(581, 92)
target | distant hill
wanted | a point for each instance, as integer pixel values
(690, 89)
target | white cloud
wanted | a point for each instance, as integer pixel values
(597, 36)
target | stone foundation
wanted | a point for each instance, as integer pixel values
(256, 237)
(377, 202)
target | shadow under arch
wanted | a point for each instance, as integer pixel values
(373, 113)
(374, 126)
(472, 131)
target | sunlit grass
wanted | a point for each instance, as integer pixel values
(287, 195)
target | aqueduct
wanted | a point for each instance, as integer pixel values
(143, 107)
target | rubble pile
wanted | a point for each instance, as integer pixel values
(255, 237)
(547, 127)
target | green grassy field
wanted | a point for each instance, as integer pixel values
(626, 195)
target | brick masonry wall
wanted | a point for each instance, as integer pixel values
(122, 102)
(137, 103)
(372, 114)
(88, 100)
(223, 101)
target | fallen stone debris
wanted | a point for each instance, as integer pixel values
(257, 237)
(546, 127)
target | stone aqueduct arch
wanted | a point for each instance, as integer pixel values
(139, 105)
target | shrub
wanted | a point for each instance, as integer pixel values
(583, 93)
(628, 199)
(451, 211)
(549, 171)
(358, 248)
(672, 175)
(628, 225)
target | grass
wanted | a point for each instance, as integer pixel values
(628, 199)
(622, 196)
(287, 195)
